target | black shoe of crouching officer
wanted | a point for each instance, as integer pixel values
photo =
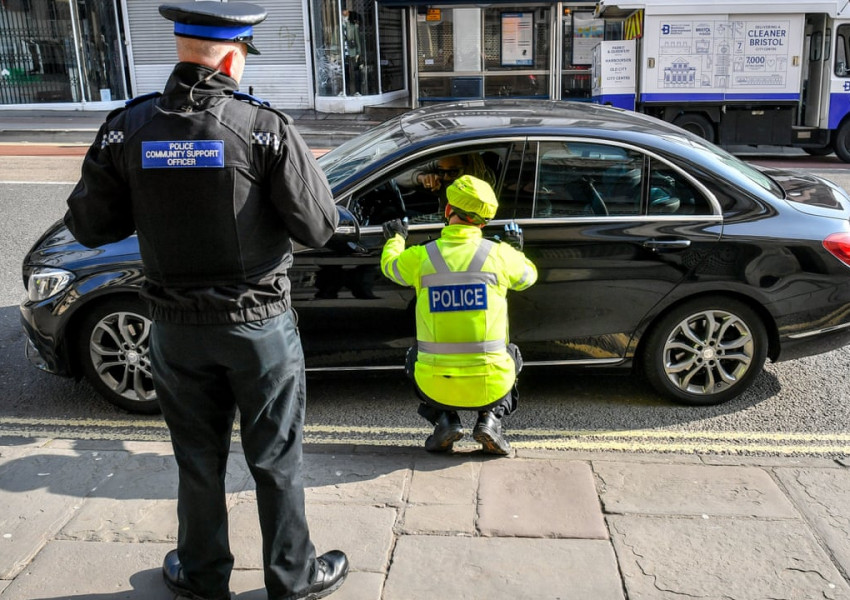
(172, 572)
(331, 570)
(447, 431)
(488, 433)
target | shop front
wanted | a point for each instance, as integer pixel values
(65, 52)
(501, 50)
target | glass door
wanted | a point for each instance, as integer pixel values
(61, 51)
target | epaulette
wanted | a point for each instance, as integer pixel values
(132, 102)
(249, 98)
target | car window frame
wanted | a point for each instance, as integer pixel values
(423, 156)
(532, 145)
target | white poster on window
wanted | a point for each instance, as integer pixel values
(467, 39)
(517, 39)
(587, 32)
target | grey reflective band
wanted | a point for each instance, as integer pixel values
(437, 279)
(397, 274)
(436, 258)
(461, 347)
(525, 276)
(476, 264)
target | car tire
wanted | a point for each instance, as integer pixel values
(113, 344)
(841, 143)
(696, 124)
(705, 351)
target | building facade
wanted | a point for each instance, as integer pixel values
(331, 55)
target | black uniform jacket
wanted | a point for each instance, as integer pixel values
(216, 188)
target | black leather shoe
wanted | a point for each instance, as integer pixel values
(172, 572)
(447, 431)
(488, 433)
(331, 570)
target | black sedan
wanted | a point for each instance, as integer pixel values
(657, 252)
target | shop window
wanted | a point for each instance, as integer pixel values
(40, 43)
(347, 57)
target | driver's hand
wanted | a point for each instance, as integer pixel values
(396, 226)
(431, 181)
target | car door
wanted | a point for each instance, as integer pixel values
(350, 315)
(612, 229)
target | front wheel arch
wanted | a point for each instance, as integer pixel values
(659, 345)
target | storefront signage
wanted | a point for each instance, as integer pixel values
(434, 15)
(517, 39)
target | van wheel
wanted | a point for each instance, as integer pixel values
(696, 124)
(841, 144)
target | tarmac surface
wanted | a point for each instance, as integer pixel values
(92, 519)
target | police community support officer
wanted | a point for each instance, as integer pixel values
(216, 186)
(462, 359)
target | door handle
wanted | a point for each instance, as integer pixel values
(674, 244)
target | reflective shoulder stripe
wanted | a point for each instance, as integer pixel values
(481, 254)
(461, 347)
(436, 258)
(437, 279)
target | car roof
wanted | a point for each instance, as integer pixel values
(512, 117)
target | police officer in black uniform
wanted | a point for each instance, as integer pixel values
(216, 185)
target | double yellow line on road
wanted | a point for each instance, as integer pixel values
(639, 440)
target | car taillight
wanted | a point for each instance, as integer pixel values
(838, 245)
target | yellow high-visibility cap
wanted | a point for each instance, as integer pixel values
(474, 196)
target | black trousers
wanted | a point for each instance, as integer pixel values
(202, 374)
(431, 410)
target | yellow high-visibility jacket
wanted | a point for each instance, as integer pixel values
(461, 283)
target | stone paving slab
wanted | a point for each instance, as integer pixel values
(146, 511)
(364, 533)
(539, 498)
(823, 496)
(664, 558)
(376, 479)
(690, 490)
(443, 480)
(443, 519)
(248, 585)
(429, 567)
(66, 570)
(39, 492)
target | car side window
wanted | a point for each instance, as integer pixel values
(587, 179)
(671, 193)
(405, 193)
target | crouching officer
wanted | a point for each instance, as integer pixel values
(462, 359)
(217, 185)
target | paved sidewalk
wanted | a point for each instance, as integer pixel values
(93, 519)
(320, 130)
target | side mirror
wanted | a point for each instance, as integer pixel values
(347, 231)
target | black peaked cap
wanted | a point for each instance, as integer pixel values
(214, 14)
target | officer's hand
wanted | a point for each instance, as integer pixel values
(513, 235)
(396, 226)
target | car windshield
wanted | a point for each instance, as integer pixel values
(358, 153)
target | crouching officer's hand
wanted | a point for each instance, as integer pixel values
(513, 235)
(396, 226)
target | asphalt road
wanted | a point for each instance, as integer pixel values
(799, 408)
